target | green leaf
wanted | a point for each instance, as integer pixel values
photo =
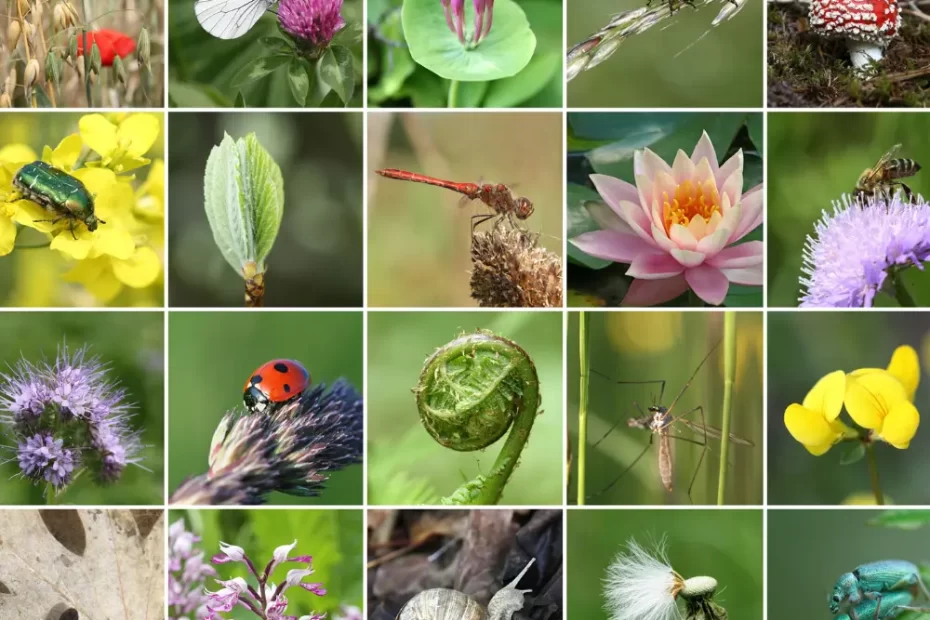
(754, 125)
(277, 45)
(257, 69)
(244, 201)
(337, 71)
(298, 79)
(350, 35)
(183, 95)
(855, 454)
(580, 221)
(902, 519)
(503, 53)
(470, 94)
(240, 100)
(42, 99)
(511, 91)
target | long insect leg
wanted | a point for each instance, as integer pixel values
(908, 194)
(629, 467)
(686, 385)
(481, 219)
(616, 424)
(661, 382)
(703, 451)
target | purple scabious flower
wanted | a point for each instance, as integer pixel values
(186, 574)
(67, 415)
(266, 600)
(854, 249)
(311, 21)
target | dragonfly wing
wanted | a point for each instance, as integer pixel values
(712, 432)
(230, 19)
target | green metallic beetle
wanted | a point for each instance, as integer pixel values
(870, 583)
(58, 192)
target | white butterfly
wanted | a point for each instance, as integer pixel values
(230, 19)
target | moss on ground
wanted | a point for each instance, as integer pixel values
(806, 70)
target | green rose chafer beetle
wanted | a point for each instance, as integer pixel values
(57, 192)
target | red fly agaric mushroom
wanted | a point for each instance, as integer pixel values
(867, 25)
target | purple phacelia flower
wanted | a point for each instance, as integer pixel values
(854, 249)
(454, 11)
(42, 457)
(186, 574)
(311, 21)
(265, 599)
(67, 415)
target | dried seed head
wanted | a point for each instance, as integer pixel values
(512, 271)
(31, 32)
(144, 47)
(31, 74)
(23, 7)
(11, 81)
(59, 18)
(6, 101)
(13, 32)
(73, 17)
(79, 61)
(37, 11)
(95, 61)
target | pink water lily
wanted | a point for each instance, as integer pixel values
(678, 227)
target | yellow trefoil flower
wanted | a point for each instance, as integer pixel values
(815, 423)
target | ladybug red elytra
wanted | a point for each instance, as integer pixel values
(273, 384)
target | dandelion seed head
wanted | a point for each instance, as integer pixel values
(640, 585)
(852, 250)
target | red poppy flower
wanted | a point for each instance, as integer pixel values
(111, 44)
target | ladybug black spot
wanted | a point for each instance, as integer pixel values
(282, 368)
(287, 388)
(255, 380)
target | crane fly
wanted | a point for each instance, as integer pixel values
(496, 196)
(660, 421)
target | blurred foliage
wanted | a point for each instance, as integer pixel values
(202, 67)
(639, 346)
(723, 544)
(34, 277)
(674, 65)
(810, 549)
(814, 159)
(144, 86)
(405, 464)
(332, 537)
(212, 355)
(317, 257)
(395, 80)
(132, 344)
(604, 143)
(802, 349)
(418, 241)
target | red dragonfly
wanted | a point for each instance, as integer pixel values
(497, 196)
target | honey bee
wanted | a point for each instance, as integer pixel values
(881, 180)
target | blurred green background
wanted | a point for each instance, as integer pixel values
(637, 346)
(724, 69)
(317, 257)
(814, 159)
(418, 237)
(723, 544)
(201, 67)
(332, 537)
(212, 355)
(810, 549)
(396, 80)
(405, 464)
(803, 347)
(132, 343)
(33, 277)
(606, 143)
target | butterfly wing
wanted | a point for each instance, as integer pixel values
(230, 19)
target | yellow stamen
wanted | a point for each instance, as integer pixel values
(691, 200)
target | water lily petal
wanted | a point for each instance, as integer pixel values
(698, 227)
(661, 239)
(717, 240)
(827, 395)
(612, 245)
(688, 258)
(708, 283)
(705, 150)
(747, 254)
(654, 266)
(606, 217)
(905, 367)
(682, 168)
(637, 219)
(751, 215)
(747, 276)
(654, 292)
(728, 167)
(613, 190)
(652, 164)
(809, 427)
(900, 425)
(7, 235)
(871, 395)
(682, 237)
(733, 186)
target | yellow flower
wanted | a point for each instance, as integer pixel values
(815, 423)
(882, 400)
(122, 145)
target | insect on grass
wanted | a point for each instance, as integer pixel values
(667, 423)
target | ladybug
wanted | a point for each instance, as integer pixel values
(273, 384)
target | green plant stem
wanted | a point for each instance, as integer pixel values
(729, 379)
(873, 473)
(50, 498)
(476, 383)
(582, 403)
(900, 291)
(453, 93)
(86, 53)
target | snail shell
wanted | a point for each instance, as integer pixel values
(445, 604)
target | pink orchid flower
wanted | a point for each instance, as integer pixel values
(678, 227)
